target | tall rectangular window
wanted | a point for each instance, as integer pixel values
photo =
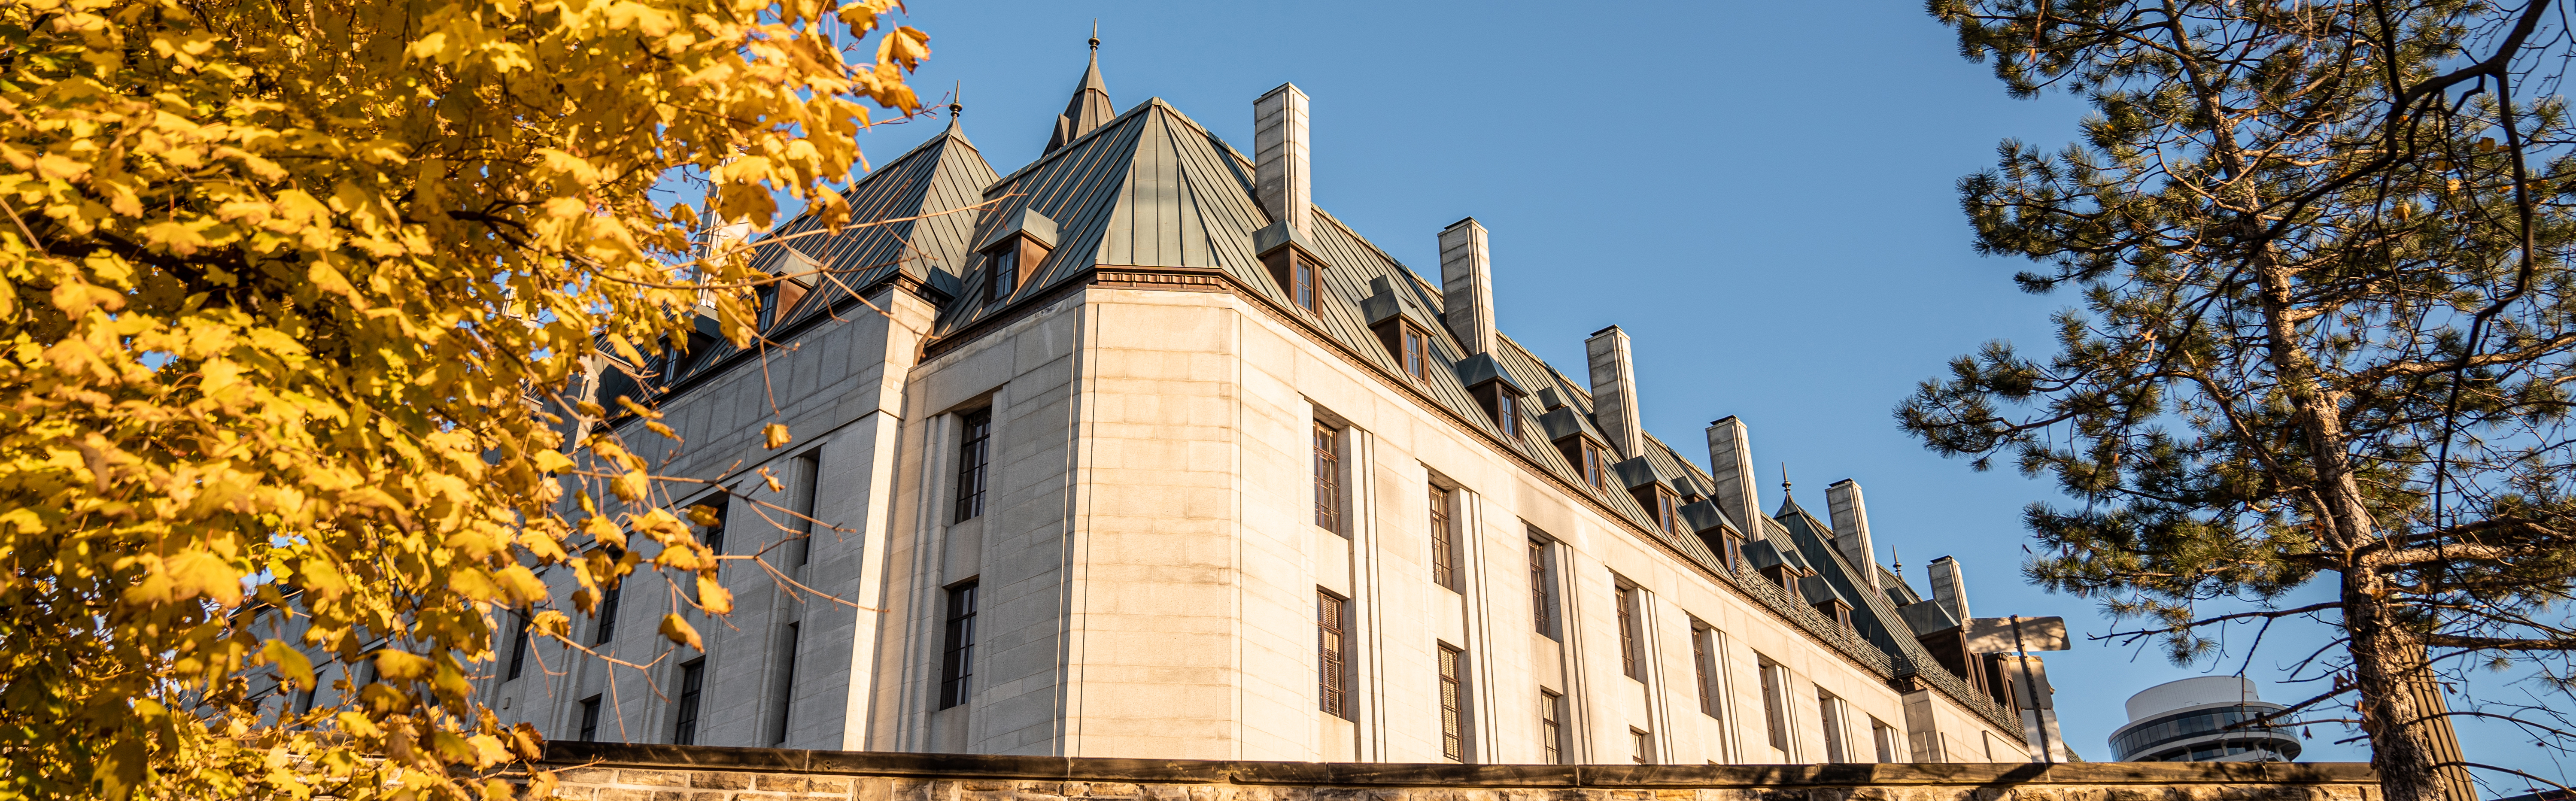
(1542, 589)
(1641, 746)
(1302, 278)
(1667, 513)
(1328, 478)
(785, 703)
(1006, 274)
(1629, 650)
(1444, 545)
(809, 478)
(607, 614)
(974, 453)
(1417, 354)
(1775, 715)
(693, 680)
(1704, 666)
(589, 731)
(1332, 643)
(957, 661)
(1453, 704)
(1592, 467)
(1830, 709)
(518, 644)
(713, 536)
(1884, 737)
(1551, 725)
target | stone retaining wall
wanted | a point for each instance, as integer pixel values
(618, 772)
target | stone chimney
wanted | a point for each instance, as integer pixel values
(1467, 285)
(1281, 164)
(1851, 529)
(1947, 589)
(1730, 461)
(1614, 391)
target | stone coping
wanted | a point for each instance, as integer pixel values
(1367, 774)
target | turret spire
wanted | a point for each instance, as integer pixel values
(1089, 107)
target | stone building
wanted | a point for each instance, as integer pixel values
(1152, 458)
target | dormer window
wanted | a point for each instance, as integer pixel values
(1783, 575)
(1417, 357)
(1012, 260)
(1408, 344)
(1494, 390)
(1667, 510)
(1006, 274)
(1293, 265)
(1301, 283)
(1734, 554)
(1014, 251)
(1838, 612)
(1595, 470)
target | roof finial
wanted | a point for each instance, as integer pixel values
(1095, 33)
(957, 101)
(1899, 558)
(1784, 481)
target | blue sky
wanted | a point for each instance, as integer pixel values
(1761, 194)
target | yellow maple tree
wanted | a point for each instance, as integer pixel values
(289, 287)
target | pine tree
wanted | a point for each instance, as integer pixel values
(2324, 336)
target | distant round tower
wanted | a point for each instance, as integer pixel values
(2193, 720)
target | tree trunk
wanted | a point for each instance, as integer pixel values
(2402, 705)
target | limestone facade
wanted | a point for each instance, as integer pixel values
(1147, 556)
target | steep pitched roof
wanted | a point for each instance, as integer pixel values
(943, 174)
(1089, 108)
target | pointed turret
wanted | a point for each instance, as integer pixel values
(1089, 107)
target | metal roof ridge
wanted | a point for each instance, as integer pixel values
(1044, 158)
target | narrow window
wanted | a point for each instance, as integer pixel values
(1332, 638)
(1667, 514)
(693, 679)
(1734, 550)
(1507, 413)
(785, 702)
(1704, 665)
(713, 536)
(1444, 558)
(1302, 275)
(607, 613)
(518, 645)
(957, 663)
(589, 720)
(809, 477)
(1629, 664)
(1829, 709)
(1417, 359)
(1592, 467)
(1542, 590)
(1774, 718)
(975, 436)
(1328, 478)
(1453, 700)
(1551, 725)
(1641, 745)
(1006, 274)
(1884, 736)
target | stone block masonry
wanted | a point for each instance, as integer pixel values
(621, 772)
